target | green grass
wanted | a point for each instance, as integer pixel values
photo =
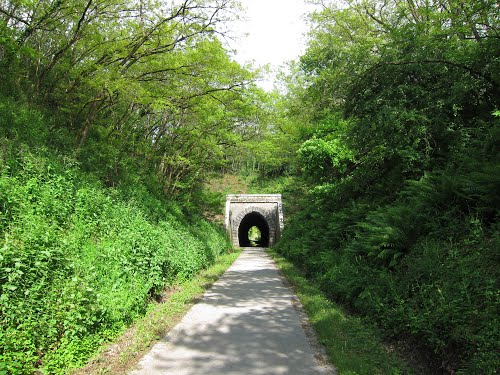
(121, 355)
(352, 346)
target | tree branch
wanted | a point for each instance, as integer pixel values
(471, 71)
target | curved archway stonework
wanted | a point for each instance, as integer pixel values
(240, 208)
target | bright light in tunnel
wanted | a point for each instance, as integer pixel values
(254, 236)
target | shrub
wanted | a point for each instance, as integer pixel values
(82, 261)
(421, 266)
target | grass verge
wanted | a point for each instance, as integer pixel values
(352, 346)
(120, 356)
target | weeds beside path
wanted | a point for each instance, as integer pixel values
(352, 346)
(245, 324)
(120, 356)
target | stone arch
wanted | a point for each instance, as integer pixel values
(254, 216)
(261, 210)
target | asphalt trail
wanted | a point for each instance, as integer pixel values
(244, 324)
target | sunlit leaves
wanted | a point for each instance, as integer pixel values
(394, 212)
(82, 261)
(150, 77)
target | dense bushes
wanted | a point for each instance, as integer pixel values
(78, 261)
(422, 266)
(399, 172)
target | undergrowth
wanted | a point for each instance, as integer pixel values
(120, 356)
(423, 266)
(353, 346)
(79, 261)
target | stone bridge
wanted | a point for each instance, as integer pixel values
(244, 211)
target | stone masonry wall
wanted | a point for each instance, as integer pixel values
(268, 205)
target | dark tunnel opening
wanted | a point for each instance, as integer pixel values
(253, 219)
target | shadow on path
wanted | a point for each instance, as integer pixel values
(245, 324)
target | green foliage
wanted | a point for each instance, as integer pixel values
(325, 155)
(160, 318)
(385, 138)
(422, 266)
(109, 113)
(22, 123)
(353, 346)
(135, 88)
(397, 201)
(79, 260)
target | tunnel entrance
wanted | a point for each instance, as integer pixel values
(246, 237)
(262, 211)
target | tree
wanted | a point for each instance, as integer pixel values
(136, 78)
(399, 155)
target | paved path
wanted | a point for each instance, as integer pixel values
(245, 324)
